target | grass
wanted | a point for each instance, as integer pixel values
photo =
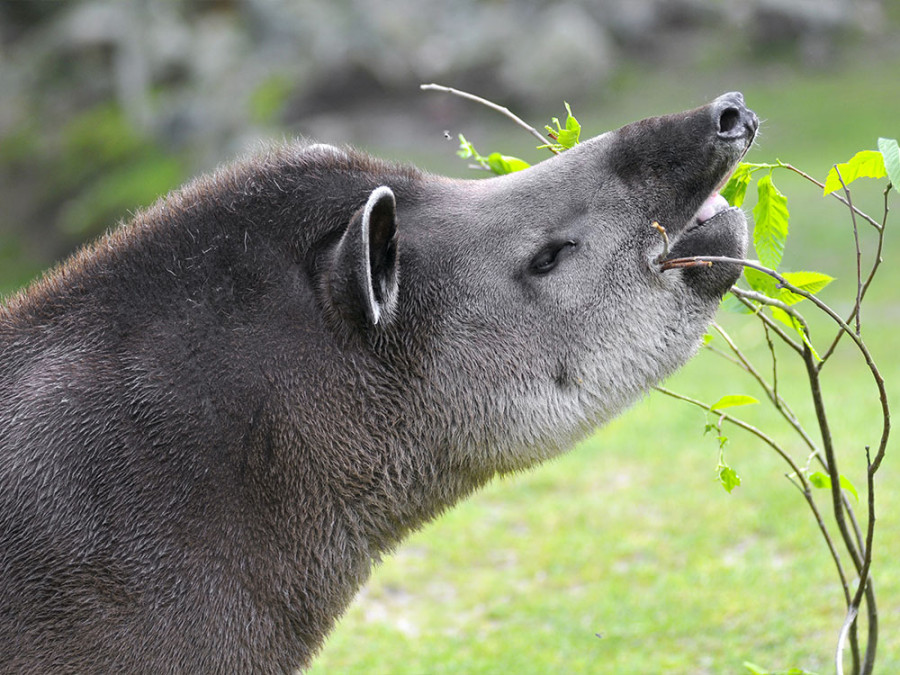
(629, 536)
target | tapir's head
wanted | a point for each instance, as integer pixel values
(534, 304)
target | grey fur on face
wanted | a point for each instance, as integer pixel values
(213, 420)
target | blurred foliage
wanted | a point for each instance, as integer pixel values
(15, 268)
(268, 100)
(107, 105)
(109, 169)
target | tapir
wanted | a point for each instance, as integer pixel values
(215, 419)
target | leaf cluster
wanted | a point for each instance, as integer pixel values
(563, 137)
(771, 216)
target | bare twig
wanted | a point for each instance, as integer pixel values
(746, 298)
(493, 106)
(874, 223)
(665, 237)
(831, 458)
(857, 307)
(686, 263)
(876, 262)
(771, 346)
(727, 357)
(780, 404)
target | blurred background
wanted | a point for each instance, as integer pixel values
(107, 104)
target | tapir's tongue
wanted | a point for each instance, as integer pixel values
(714, 205)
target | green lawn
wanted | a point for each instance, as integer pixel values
(626, 556)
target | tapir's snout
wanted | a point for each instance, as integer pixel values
(734, 120)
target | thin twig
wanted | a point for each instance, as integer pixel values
(772, 302)
(493, 106)
(805, 175)
(727, 357)
(865, 581)
(780, 404)
(806, 490)
(745, 298)
(842, 638)
(860, 344)
(857, 308)
(831, 458)
(771, 345)
(737, 422)
(864, 587)
(876, 262)
(665, 237)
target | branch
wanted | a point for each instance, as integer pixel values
(874, 223)
(780, 404)
(804, 486)
(493, 106)
(828, 447)
(875, 265)
(857, 307)
(746, 297)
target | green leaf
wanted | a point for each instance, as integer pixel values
(707, 338)
(823, 480)
(571, 123)
(864, 164)
(891, 153)
(819, 479)
(811, 282)
(762, 282)
(732, 401)
(571, 135)
(771, 228)
(503, 164)
(736, 188)
(499, 164)
(728, 478)
(468, 151)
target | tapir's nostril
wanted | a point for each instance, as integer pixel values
(733, 119)
(729, 120)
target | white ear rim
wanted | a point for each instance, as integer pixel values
(373, 307)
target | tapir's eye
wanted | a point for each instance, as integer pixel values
(550, 256)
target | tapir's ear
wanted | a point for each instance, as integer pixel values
(364, 267)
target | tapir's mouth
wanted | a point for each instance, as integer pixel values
(715, 229)
(714, 205)
(700, 229)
